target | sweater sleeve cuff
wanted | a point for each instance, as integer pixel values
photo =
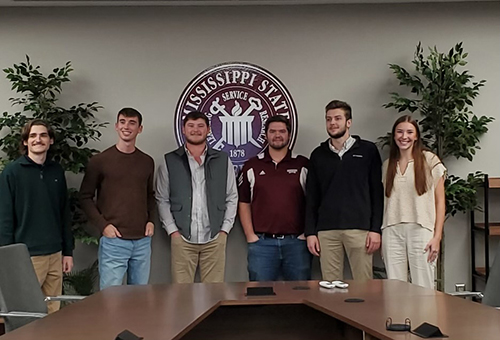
(308, 231)
(152, 215)
(102, 224)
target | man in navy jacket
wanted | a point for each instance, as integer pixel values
(344, 195)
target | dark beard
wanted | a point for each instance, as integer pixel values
(339, 134)
(279, 148)
(196, 142)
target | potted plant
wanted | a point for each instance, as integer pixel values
(81, 282)
(442, 93)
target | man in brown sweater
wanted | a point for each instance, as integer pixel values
(122, 176)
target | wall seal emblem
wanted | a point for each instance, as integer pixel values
(237, 98)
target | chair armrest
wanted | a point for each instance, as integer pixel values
(23, 314)
(466, 294)
(65, 298)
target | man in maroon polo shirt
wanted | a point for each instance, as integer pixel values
(272, 208)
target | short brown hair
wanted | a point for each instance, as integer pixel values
(129, 113)
(194, 115)
(25, 132)
(338, 104)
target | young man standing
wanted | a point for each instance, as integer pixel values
(197, 201)
(344, 198)
(34, 209)
(272, 207)
(122, 176)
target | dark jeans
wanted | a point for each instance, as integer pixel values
(270, 257)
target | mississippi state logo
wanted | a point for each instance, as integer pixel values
(237, 98)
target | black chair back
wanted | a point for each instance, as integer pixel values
(19, 287)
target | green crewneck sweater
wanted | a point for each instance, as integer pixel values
(34, 207)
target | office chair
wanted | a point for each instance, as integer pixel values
(21, 298)
(491, 296)
(492, 291)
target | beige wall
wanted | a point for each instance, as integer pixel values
(144, 57)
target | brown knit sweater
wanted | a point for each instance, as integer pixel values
(124, 186)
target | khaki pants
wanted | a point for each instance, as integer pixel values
(48, 269)
(402, 247)
(332, 244)
(210, 256)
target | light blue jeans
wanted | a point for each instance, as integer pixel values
(117, 256)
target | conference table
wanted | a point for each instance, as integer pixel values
(297, 310)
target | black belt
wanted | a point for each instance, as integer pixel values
(277, 236)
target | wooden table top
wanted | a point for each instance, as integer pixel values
(170, 311)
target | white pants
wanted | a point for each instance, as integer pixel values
(403, 245)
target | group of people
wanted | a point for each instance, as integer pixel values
(342, 200)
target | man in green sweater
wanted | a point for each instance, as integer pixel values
(34, 209)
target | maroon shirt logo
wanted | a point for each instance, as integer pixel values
(237, 98)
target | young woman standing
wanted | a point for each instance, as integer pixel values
(414, 206)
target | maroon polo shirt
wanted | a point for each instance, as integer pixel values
(275, 192)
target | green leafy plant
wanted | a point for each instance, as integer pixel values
(461, 194)
(442, 95)
(441, 92)
(74, 127)
(81, 282)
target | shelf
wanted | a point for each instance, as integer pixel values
(494, 182)
(481, 271)
(494, 228)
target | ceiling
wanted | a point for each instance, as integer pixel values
(65, 3)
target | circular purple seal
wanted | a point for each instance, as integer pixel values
(237, 98)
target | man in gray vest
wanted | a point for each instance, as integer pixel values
(197, 202)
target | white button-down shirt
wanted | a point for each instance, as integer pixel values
(200, 221)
